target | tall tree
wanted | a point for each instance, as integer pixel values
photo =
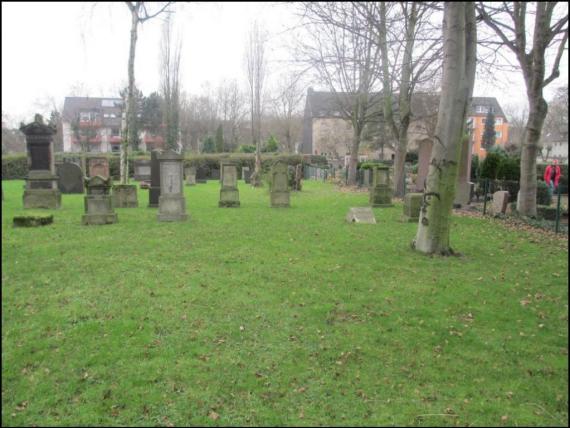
(508, 21)
(344, 55)
(170, 84)
(460, 45)
(488, 137)
(220, 139)
(286, 105)
(256, 68)
(139, 15)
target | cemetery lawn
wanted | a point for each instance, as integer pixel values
(260, 316)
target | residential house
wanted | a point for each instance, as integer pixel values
(480, 106)
(96, 122)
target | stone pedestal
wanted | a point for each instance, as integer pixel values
(463, 189)
(125, 196)
(190, 173)
(41, 182)
(279, 185)
(154, 189)
(171, 204)
(229, 194)
(412, 206)
(380, 194)
(98, 205)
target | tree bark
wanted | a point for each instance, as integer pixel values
(353, 161)
(457, 87)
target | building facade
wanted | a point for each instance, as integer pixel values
(94, 125)
(480, 107)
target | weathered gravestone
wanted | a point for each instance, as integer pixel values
(70, 177)
(279, 185)
(229, 194)
(98, 166)
(32, 220)
(361, 215)
(412, 206)
(125, 196)
(380, 194)
(154, 190)
(190, 172)
(171, 204)
(245, 174)
(41, 182)
(214, 174)
(201, 175)
(500, 202)
(424, 158)
(366, 179)
(142, 170)
(98, 204)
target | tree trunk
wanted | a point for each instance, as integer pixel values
(130, 137)
(399, 162)
(457, 86)
(526, 201)
(353, 162)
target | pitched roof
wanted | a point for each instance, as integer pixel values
(487, 102)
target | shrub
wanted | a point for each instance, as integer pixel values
(246, 148)
(271, 145)
(475, 168)
(546, 212)
(490, 165)
(14, 167)
(509, 169)
(543, 196)
(412, 157)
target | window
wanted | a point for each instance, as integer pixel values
(115, 132)
(498, 134)
(499, 121)
(481, 109)
(84, 116)
(115, 148)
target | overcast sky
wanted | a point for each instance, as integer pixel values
(48, 48)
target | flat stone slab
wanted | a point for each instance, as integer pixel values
(32, 220)
(361, 215)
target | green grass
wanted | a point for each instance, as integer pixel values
(277, 317)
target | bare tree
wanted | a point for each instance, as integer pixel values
(256, 67)
(460, 45)
(170, 84)
(345, 57)
(139, 15)
(286, 105)
(508, 20)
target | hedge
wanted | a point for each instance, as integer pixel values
(16, 166)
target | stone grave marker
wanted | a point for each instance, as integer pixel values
(380, 194)
(154, 189)
(424, 158)
(279, 185)
(142, 170)
(500, 202)
(229, 194)
(361, 215)
(214, 174)
(41, 182)
(32, 220)
(69, 177)
(190, 172)
(171, 204)
(245, 174)
(412, 206)
(98, 166)
(201, 175)
(463, 190)
(98, 204)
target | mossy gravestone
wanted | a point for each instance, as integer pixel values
(381, 190)
(154, 190)
(190, 172)
(412, 206)
(142, 170)
(229, 194)
(279, 185)
(41, 182)
(70, 178)
(171, 204)
(33, 220)
(98, 204)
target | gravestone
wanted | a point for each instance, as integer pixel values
(229, 194)
(171, 204)
(125, 196)
(246, 174)
(70, 177)
(463, 190)
(366, 179)
(361, 215)
(298, 177)
(500, 202)
(98, 205)
(279, 185)
(424, 158)
(32, 220)
(41, 182)
(380, 194)
(98, 166)
(201, 175)
(190, 173)
(154, 190)
(142, 170)
(412, 206)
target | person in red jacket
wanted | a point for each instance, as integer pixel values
(552, 176)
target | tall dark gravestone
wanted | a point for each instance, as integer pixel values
(154, 191)
(41, 182)
(70, 177)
